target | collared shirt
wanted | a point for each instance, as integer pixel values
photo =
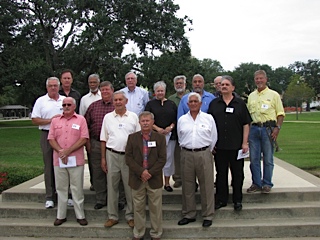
(206, 100)
(86, 100)
(265, 105)
(176, 99)
(197, 133)
(116, 129)
(67, 132)
(137, 99)
(45, 108)
(94, 116)
(230, 120)
(74, 94)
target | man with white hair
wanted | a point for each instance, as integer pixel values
(93, 95)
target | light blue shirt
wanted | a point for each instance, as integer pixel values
(137, 99)
(206, 100)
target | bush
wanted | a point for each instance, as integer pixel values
(11, 176)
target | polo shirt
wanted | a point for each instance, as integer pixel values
(45, 108)
(74, 94)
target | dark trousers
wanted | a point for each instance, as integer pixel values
(223, 160)
(47, 155)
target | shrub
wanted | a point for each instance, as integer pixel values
(11, 176)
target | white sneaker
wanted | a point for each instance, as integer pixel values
(49, 204)
(70, 202)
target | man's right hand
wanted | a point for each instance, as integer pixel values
(104, 166)
(145, 176)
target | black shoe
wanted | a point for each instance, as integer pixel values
(92, 188)
(219, 205)
(120, 206)
(237, 206)
(197, 185)
(206, 223)
(98, 206)
(185, 221)
(168, 188)
(58, 221)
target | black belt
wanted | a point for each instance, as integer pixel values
(114, 151)
(195, 149)
(44, 130)
(265, 124)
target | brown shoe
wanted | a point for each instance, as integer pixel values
(177, 184)
(266, 189)
(82, 222)
(131, 223)
(110, 223)
(58, 221)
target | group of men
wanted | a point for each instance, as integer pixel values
(126, 157)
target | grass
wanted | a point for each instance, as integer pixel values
(21, 155)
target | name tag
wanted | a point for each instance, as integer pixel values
(229, 110)
(121, 125)
(75, 126)
(264, 106)
(152, 144)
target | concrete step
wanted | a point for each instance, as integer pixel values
(247, 228)
(171, 211)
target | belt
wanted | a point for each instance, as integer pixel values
(265, 124)
(195, 149)
(44, 130)
(114, 151)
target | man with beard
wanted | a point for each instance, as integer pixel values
(180, 84)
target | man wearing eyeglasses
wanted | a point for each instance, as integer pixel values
(68, 134)
(45, 109)
(217, 86)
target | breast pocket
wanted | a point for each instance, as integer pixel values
(58, 130)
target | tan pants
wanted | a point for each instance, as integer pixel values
(74, 177)
(155, 210)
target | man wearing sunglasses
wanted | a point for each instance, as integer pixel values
(68, 134)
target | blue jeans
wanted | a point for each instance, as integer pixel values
(259, 142)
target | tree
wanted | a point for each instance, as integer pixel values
(298, 91)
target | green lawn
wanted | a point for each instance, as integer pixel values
(304, 116)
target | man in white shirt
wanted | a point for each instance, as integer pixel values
(116, 127)
(137, 97)
(197, 136)
(93, 95)
(44, 110)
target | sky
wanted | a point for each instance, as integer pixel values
(272, 32)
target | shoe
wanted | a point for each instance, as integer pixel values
(219, 205)
(155, 238)
(206, 223)
(237, 206)
(49, 204)
(134, 238)
(58, 221)
(177, 184)
(185, 221)
(168, 188)
(110, 223)
(253, 188)
(197, 185)
(92, 188)
(120, 206)
(131, 223)
(70, 202)
(98, 206)
(266, 189)
(82, 222)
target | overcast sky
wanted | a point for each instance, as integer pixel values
(273, 32)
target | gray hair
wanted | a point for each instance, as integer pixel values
(159, 84)
(125, 77)
(198, 75)
(73, 100)
(106, 84)
(194, 94)
(180, 77)
(94, 76)
(146, 113)
(120, 92)
(229, 78)
(53, 78)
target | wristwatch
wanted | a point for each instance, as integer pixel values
(279, 127)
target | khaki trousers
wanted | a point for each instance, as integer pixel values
(200, 165)
(74, 177)
(155, 210)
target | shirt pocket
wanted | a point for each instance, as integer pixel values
(58, 130)
(252, 107)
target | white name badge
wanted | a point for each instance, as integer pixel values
(264, 106)
(229, 110)
(121, 125)
(152, 144)
(75, 126)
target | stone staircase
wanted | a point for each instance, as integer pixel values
(285, 212)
